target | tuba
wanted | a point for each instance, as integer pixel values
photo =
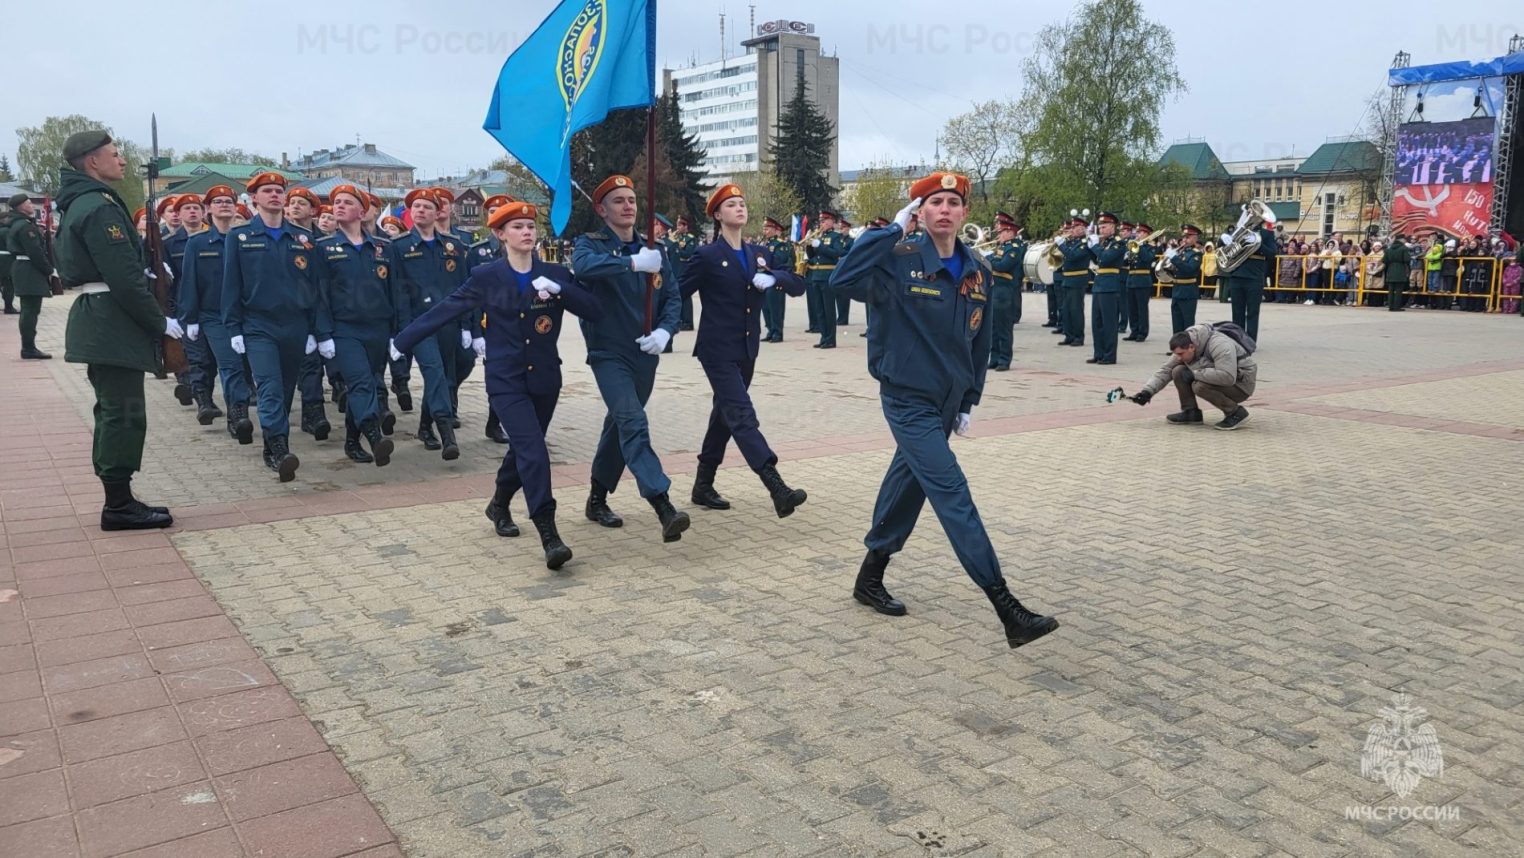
(1243, 241)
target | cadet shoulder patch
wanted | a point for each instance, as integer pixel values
(115, 233)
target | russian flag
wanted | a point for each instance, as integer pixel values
(799, 229)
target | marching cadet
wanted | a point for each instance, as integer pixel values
(1108, 253)
(1071, 279)
(362, 304)
(1005, 293)
(928, 349)
(115, 324)
(612, 264)
(392, 227)
(1246, 283)
(481, 253)
(682, 244)
(465, 355)
(522, 299)
(1140, 283)
(199, 303)
(269, 306)
(31, 271)
(822, 255)
(1185, 267)
(326, 224)
(188, 207)
(734, 276)
(174, 238)
(302, 209)
(445, 219)
(432, 265)
(780, 258)
(169, 219)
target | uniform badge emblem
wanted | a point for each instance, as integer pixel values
(450, 247)
(542, 325)
(114, 232)
(724, 263)
(449, 265)
(300, 262)
(381, 271)
(976, 318)
(949, 182)
(243, 236)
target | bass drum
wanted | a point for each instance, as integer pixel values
(1036, 265)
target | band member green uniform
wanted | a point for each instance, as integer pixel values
(1109, 253)
(928, 347)
(1185, 267)
(31, 272)
(1005, 292)
(1072, 276)
(115, 325)
(1140, 283)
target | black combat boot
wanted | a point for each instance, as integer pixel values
(34, 353)
(404, 396)
(785, 499)
(239, 424)
(122, 511)
(556, 552)
(341, 395)
(281, 460)
(352, 446)
(703, 489)
(381, 447)
(673, 521)
(597, 508)
(869, 588)
(497, 511)
(1021, 625)
(454, 420)
(494, 429)
(1186, 416)
(315, 420)
(447, 440)
(183, 393)
(426, 432)
(205, 410)
(388, 419)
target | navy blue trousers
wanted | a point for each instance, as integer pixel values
(275, 355)
(526, 464)
(431, 355)
(733, 416)
(359, 356)
(203, 363)
(311, 382)
(231, 365)
(625, 385)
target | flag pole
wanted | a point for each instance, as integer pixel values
(650, 208)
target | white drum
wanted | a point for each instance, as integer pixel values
(1036, 265)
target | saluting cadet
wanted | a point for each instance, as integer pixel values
(928, 347)
(432, 265)
(1140, 283)
(115, 324)
(1185, 267)
(270, 305)
(481, 253)
(1108, 253)
(198, 300)
(1005, 296)
(823, 253)
(780, 258)
(733, 276)
(612, 263)
(522, 300)
(362, 305)
(1072, 277)
(31, 272)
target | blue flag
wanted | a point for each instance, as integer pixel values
(586, 58)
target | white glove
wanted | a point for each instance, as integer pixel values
(193, 331)
(905, 214)
(1092, 239)
(647, 260)
(465, 339)
(148, 272)
(655, 342)
(172, 328)
(1227, 238)
(763, 281)
(326, 349)
(311, 345)
(546, 287)
(961, 427)
(480, 345)
(391, 346)
(238, 344)
(815, 242)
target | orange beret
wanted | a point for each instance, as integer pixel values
(938, 182)
(443, 195)
(265, 178)
(512, 211)
(138, 215)
(720, 195)
(305, 194)
(325, 209)
(417, 194)
(391, 220)
(164, 204)
(216, 191)
(494, 201)
(359, 195)
(243, 212)
(371, 200)
(187, 200)
(610, 184)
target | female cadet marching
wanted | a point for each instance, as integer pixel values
(521, 300)
(734, 278)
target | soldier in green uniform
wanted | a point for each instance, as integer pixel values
(1005, 295)
(782, 252)
(30, 271)
(822, 253)
(115, 325)
(1185, 267)
(844, 305)
(1072, 278)
(1140, 282)
(7, 291)
(681, 245)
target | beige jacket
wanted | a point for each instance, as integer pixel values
(1220, 361)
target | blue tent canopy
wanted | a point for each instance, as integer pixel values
(1511, 64)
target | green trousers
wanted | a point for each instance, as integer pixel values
(7, 290)
(31, 308)
(121, 421)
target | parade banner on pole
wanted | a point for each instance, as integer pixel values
(587, 58)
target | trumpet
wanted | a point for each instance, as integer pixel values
(973, 234)
(801, 250)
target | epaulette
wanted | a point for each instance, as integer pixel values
(596, 235)
(905, 248)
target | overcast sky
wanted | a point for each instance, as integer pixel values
(415, 78)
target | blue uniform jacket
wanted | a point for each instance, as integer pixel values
(602, 263)
(174, 248)
(198, 290)
(1108, 254)
(1185, 266)
(928, 334)
(1075, 272)
(521, 330)
(1258, 266)
(358, 284)
(485, 251)
(1140, 274)
(430, 272)
(731, 322)
(270, 279)
(1007, 261)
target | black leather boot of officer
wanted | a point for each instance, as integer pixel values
(1189, 415)
(239, 424)
(426, 432)
(183, 393)
(315, 420)
(556, 552)
(497, 511)
(352, 446)
(455, 407)
(341, 395)
(785, 499)
(673, 521)
(404, 396)
(703, 489)
(206, 412)
(597, 508)
(282, 460)
(869, 588)
(494, 430)
(388, 419)
(1021, 625)
(34, 353)
(447, 439)
(122, 511)
(381, 447)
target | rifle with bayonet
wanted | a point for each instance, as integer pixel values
(171, 351)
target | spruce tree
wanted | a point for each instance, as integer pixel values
(801, 153)
(5, 169)
(610, 147)
(685, 161)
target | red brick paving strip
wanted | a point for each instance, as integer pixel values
(134, 718)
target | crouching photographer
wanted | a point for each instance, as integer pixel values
(1214, 362)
